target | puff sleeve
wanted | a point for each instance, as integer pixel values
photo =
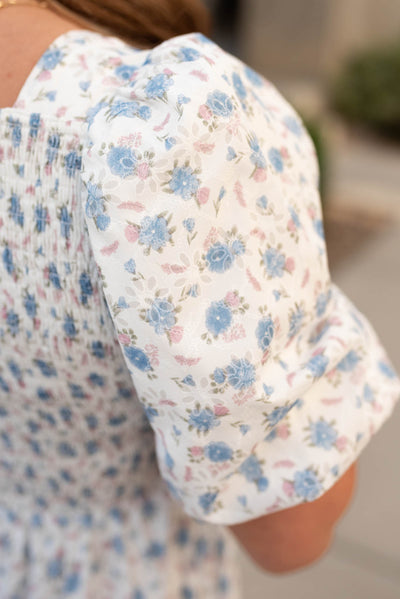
(261, 380)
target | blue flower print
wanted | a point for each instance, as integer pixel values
(253, 77)
(188, 223)
(188, 54)
(322, 302)
(188, 380)
(275, 157)
(86, 287)
(16, 134)
(102, 222)
(218, 452)
(46, 368)
(65, 222)
(307, 485)
(296, 321)
(91, 113)
(154, 232)
(158, 85)
(274, 262)
(138, 358)
(206, 501)
(251, 468)
(73, 163)
(169, 142)
(50, 59)
(218, 317)
(387, 370)
(53, 144)
(219, 376)
(69, 327)
(130, 266)
(317, 365)
(182, 99)
(295, 217)
(41, 216)
(98, 349)
(257, 157)
(161, 315)
(122, 161)
(277, 414)
(15, 210)
(294, 125)
(241, 373)
(219, 257)
(319, 228)
(184, 182)
(238, 247)
(239, 87)
(349, 362)
(30, 305)
(94, 202)
(34, 123)
(125, 71)
(220, 103)
(323, 434)
(202, 420)
(265, 332)
(54, 276)
(262, 202)
(13, 322)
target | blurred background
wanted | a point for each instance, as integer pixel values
(338, 63)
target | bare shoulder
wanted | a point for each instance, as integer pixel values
(25, 34)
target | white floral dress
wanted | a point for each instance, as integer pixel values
(173, 354)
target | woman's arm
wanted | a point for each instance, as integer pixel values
(296, 537)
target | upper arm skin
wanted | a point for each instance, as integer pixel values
(293, 538)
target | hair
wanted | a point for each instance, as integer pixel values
(142, 23)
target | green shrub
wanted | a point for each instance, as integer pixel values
(368, 89)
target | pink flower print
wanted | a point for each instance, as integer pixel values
(131, 233)
(282, 431)
(167, 71)
(203, 148)
(44, 76)
(175, 334)
(142, 170)
(200, 75)
(253, 280)
(36, 324)
(260, 175)
(289, 264)
(115, 61)
(311, 211)
(232, 299)
(196, 451)
(288, 488)
(205, 113)
(284, 152)
(221, 410)
(4, 312)
(48, 169)
(188, 474)
(291, 226)
(341, 443)
(187, 361)
(124, 339)
(238, 188)
(202, 195)
(61, 111)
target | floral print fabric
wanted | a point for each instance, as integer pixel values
(261, 380)
(84, 512)
(173, 353)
